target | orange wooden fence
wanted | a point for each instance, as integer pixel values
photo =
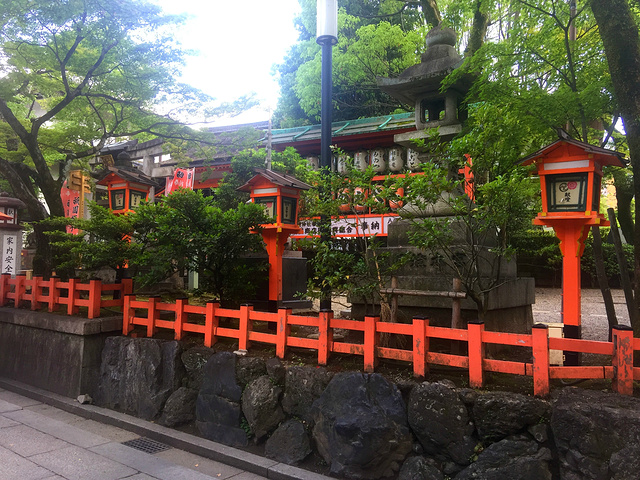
(54, 293)
(206, 320)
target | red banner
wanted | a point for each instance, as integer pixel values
(71, 202)
(182, 178)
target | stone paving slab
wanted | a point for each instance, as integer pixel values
(14, 467)
(147, 463)
(56, 428)
(27, 441)
(8, 407)
(75, 463)
(199, 464)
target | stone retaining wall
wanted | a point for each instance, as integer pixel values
(57, 353)
(362, 426)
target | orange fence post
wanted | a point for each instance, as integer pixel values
(127, 314)
(540, 351)
(95, 297)
(20, 289)
(35, 291)
(71, 307)
(282, 331)
(210, 323)
(476, 353)
(180, 317)
(325, 336)
(54, 294)
(622, 360)
(151, 315)
(4, 288)
(371, 339)
(420, 347)
(245, 326)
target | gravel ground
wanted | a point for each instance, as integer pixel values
(594, 317)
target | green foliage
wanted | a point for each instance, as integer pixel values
(469, 239)
(187, 231)
(105, 241)
(184, 231)
(243, 166)
(611, 265)
(375, 39)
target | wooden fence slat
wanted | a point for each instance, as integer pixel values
(71, 297)
(325, 336)
(476, 353)
(283, 329)
(20, 290)
(95, 297)
(540, 346)
(180, 317)
(420, 347)
(245, 326)
(127, 314)
(152, 313)
(371, 342)
(211, 323)
(622, 360)
(4, 288)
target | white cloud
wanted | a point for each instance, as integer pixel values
(237, 45)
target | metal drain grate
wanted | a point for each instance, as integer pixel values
(146, 445)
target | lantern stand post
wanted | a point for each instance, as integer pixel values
(570, 179)
(327, 37)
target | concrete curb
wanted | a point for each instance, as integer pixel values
(205, 448)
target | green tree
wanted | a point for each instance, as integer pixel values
(187, 231)
(74, 75)
(183, 232)
(618, 25)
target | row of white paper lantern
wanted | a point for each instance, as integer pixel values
(393, 160)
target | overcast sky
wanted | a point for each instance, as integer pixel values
(237, 44)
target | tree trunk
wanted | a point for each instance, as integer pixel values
(478, 29)
(619, 33)
(431, 12)
(623, 184)
(602, 279)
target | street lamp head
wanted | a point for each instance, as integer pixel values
(327, 22)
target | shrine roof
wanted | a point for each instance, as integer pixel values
(606, 156)
(362, 126)
(280, 179)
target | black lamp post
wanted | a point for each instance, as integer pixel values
(327, 37)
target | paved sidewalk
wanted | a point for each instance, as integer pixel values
(39, 441)
(42, 442)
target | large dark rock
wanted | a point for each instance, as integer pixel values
(248, 369)
(440, 421)
(360, 426)
(220, 377)
(596, 434)
(517, 458)
(419, 468)
(218, 413)
(137, 375)
(276, 370)
(194, 361)
(500, 414)
(180, 408)
(261, 406)
(303, 385)
(289, 443)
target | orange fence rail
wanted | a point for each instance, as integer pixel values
(54, 293)
(181, 317)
